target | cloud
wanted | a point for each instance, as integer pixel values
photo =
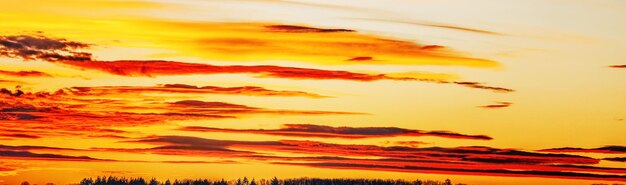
(474, 160)
(10, 93)
(478, 85)
(11, 81)
(202, 107)
(65, 52)
(616, 159)
(61, 113)
(605, 149)
(618, 66)
(38, 148)
(497, 105)
(37, 47)
(22, 136)
(461, 28)
(436, 25)
(187, 89)
(164, 68)
(303, 29)
(269, 42)
(25, 153)
(449, 170)
(151, 68)
(360, 59)
(309, 130)
(25, 73)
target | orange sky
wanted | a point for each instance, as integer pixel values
(481, 92)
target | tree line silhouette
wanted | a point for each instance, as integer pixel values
(112, 180)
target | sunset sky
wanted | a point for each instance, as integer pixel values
(481, 92)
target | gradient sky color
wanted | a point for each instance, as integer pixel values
(481, 92)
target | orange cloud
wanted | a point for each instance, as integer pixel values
(165, 68)
(309, 130)
(158, 68)
(25, 73)
(188, 89)
(268, 42)
(64, 52)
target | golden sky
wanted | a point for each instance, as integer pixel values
(481, 92)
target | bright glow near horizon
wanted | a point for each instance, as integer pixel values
(481, 92)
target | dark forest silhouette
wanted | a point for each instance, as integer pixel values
(112, 180)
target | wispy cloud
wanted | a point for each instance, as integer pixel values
(321, 131)
(25, 73)
(435, 25)
(187, 89)
(474, 160)
(303, 29)
(605, 149)
(39, 114)
(58, 48)
(478, 85)
(497, 105)
(618, 66)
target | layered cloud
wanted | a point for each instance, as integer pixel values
(66, 52)
(29, 47)
(321, 131)
(605, 149)
(475, 160)
(34, 153)
(61, 113)
(267, 42)
(167, 68)
(25, 73)
(187, 89)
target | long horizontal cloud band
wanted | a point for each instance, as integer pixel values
(309, 130)
(460, 160)
(68, 113)
(65, 52)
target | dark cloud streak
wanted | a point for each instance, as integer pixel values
(309, 130)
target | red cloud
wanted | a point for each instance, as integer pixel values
(25, 73)
(460, 160)
(43, 114)
(158, 68)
